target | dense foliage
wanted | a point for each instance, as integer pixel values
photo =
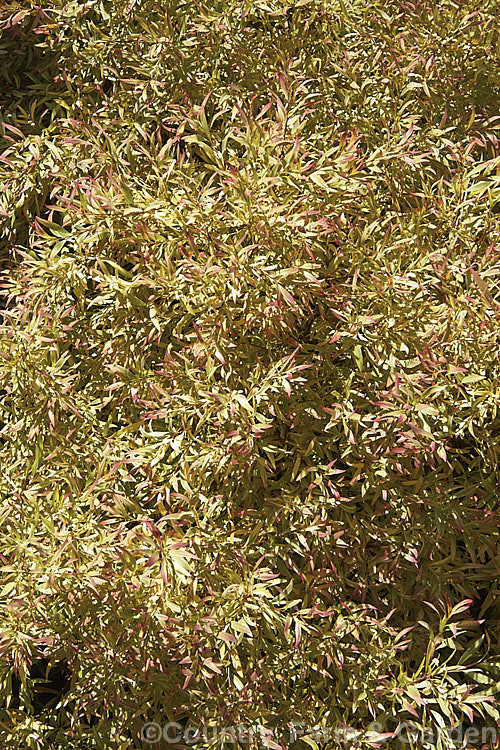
(249, 372)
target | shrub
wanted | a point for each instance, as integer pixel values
(249, 368)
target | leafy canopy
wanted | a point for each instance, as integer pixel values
(249, 428)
